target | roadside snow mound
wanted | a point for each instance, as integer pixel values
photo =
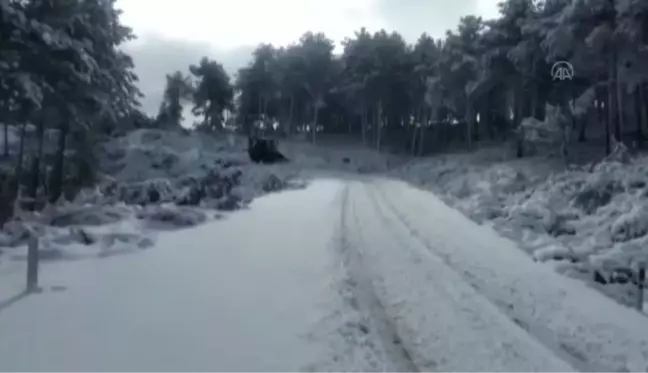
(588, 221)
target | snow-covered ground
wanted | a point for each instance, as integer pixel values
(586, 220)
(211, 297)
(386, 277)
(365, 274)
(583, 220)
(153, 180)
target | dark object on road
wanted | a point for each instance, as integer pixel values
(346, 160)
(264, 151)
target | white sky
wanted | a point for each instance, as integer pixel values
(226, 23)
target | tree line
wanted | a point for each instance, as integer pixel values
(485, 80)
(62, 73)
(62, 77)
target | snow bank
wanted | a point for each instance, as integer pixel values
(586, 220)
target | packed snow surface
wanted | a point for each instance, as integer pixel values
(362, 274)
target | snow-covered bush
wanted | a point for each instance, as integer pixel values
(273, 184)
(14, 233)
(546, 135)
(110, 240)
(147, 192)
(84, 215)
(592, 220)
(633, 224)
(171, 217)
(597, 191)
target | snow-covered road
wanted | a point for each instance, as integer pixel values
(364, 274)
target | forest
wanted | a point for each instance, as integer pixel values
(485, 81)
(66, 84)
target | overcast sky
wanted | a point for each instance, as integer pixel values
(175, 33)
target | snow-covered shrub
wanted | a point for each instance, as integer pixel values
(598, 190)
(588, 219)
(229, 202)
(633, 224)
(75, 235)
(555, 252)
(540, 135)
(147, 192)
(216, 184)
(82, 236)
(539, 132)
(511, 182)
(272, 184)
(219, 183)
(559, 224)
(171, 217)
(14, 233)
(111, 239)
(84, 215)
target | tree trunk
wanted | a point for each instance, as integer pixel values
(582, 132)
(567, 127)
(57, 174)
(363, 124)
(6, 140)
(11, 193)
(470, 117)
(349, 122)
(379, 122)
(607, 117)
(490, 117)
(291, 111)
(613, 109)
(36, 165)
(534, 100)
(516, 123)
(417, 124)
(265, 110)
(19, 161)
(620, 105)
(641, 115)
(314, 126)
(477, 124)
(424, 124)
(644, 104)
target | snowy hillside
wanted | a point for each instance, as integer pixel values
(152, 180)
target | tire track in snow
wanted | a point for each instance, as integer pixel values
(364, 297)
(448, 325)
(344, 328)
(542, 334)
